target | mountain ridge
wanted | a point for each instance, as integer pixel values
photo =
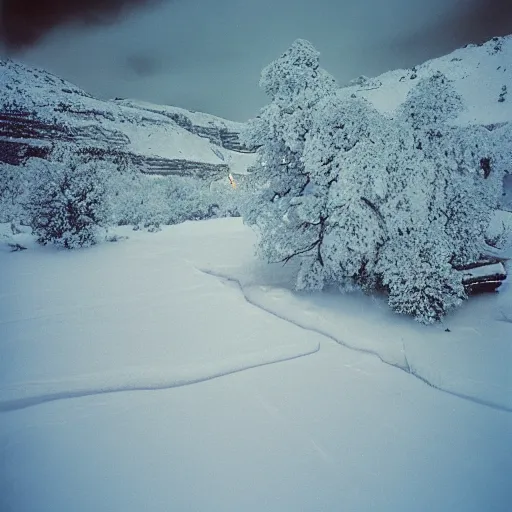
(477, 72)
(39, 110)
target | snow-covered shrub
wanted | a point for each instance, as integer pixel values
(189, 199)
(158, 200)
(432, 101)
(226, 198)
(422, 283)
(13, 193)
(67, 203)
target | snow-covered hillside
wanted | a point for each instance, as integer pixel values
(38, 108)
(481, 74)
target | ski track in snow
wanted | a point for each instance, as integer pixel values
(143, 379)
(407, 368)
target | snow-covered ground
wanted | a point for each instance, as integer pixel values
(173, 371)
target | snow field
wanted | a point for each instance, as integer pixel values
(335, 430)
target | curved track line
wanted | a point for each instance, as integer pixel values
(143, 379)
(406, 368)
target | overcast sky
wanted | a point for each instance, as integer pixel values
(207, 54)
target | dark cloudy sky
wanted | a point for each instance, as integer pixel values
(207, 54)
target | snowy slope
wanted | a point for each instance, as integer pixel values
(478, 74)
(37, 106)
(138, 375)
(196, 118)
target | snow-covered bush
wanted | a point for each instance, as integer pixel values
(422, 282)
(226, 198)
(67, 203)
(13, 193)
(159, 200)
(359, 198)
(433, 101)
(128, 196)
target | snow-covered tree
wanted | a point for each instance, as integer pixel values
(473, 188)
(466, 182)
(414, 263)
(444, 192)
(359, 198)
(382, 218)
(67, 203)
(295, 83)
(345, 159)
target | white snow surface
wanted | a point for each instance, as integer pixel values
(139, 375)
(495, 268)
(477, 73)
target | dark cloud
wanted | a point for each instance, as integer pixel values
(487, 18)
(475, 22)
(24, 22)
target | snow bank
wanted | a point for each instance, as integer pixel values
(26, 394)
(92, 312)
(471, 359)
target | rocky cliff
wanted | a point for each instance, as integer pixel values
(39, 112)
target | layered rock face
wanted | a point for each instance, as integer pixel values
(40, 112)
(218, 131)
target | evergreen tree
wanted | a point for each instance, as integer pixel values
(68, 203)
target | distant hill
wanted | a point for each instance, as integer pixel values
(481, 74)
(38, 109)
